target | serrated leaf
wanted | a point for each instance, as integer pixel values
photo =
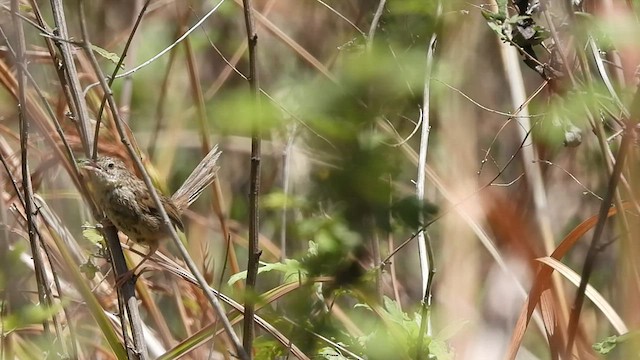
(114, 58)
(394, 312)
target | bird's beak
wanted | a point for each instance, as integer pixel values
(88, 164)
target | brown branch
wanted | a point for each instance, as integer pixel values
(127, 291)
(73, 80)
(254, 192)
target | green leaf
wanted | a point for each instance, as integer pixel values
(237, 277)
(25, 8)
(450, 330)
(114, 58)
(28, 315)
(394, 311)
(89, 269)
(492, 17)
(498, 29)
(330, 353)
(517, 18)
(502, 7)
(440, 350)
(286, 267)
(278, 200)
(92, 234)
(605, 346)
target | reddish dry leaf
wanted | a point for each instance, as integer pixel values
(542, 281)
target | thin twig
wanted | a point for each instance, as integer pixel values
(515, 115)
(286, 181)
(126, 89)
(27, 187)
(572, 176)
(591, 257)
(341, 16)
(425, 248)
(127, 291)
(161, 210)
(455, 205)
(73, 80)
(113, 75)
(254, 191)
(47, 106)
(375, 22)
(167, 49)
(159, 116)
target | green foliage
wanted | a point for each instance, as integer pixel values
(278, 200)
(89, 269)
(266, 348)
(90, 233)
(330, 353)
(11, 260)
(608, 33)
(29, 315)
(357, 185)
(606, 346)
(519, 29)
(236, 113)
(618, 342)
(290, 269)
(397, 336)
(567, 116)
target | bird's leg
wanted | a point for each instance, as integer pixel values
(121, 279)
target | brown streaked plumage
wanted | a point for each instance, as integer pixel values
(127, 203)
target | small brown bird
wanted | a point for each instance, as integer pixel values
(127, 203)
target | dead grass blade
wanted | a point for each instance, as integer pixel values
(593, 294)
(542, 281)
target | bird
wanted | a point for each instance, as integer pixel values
(126, 201)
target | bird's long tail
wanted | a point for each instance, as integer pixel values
(201, 177)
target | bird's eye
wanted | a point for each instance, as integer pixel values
(111, 165)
